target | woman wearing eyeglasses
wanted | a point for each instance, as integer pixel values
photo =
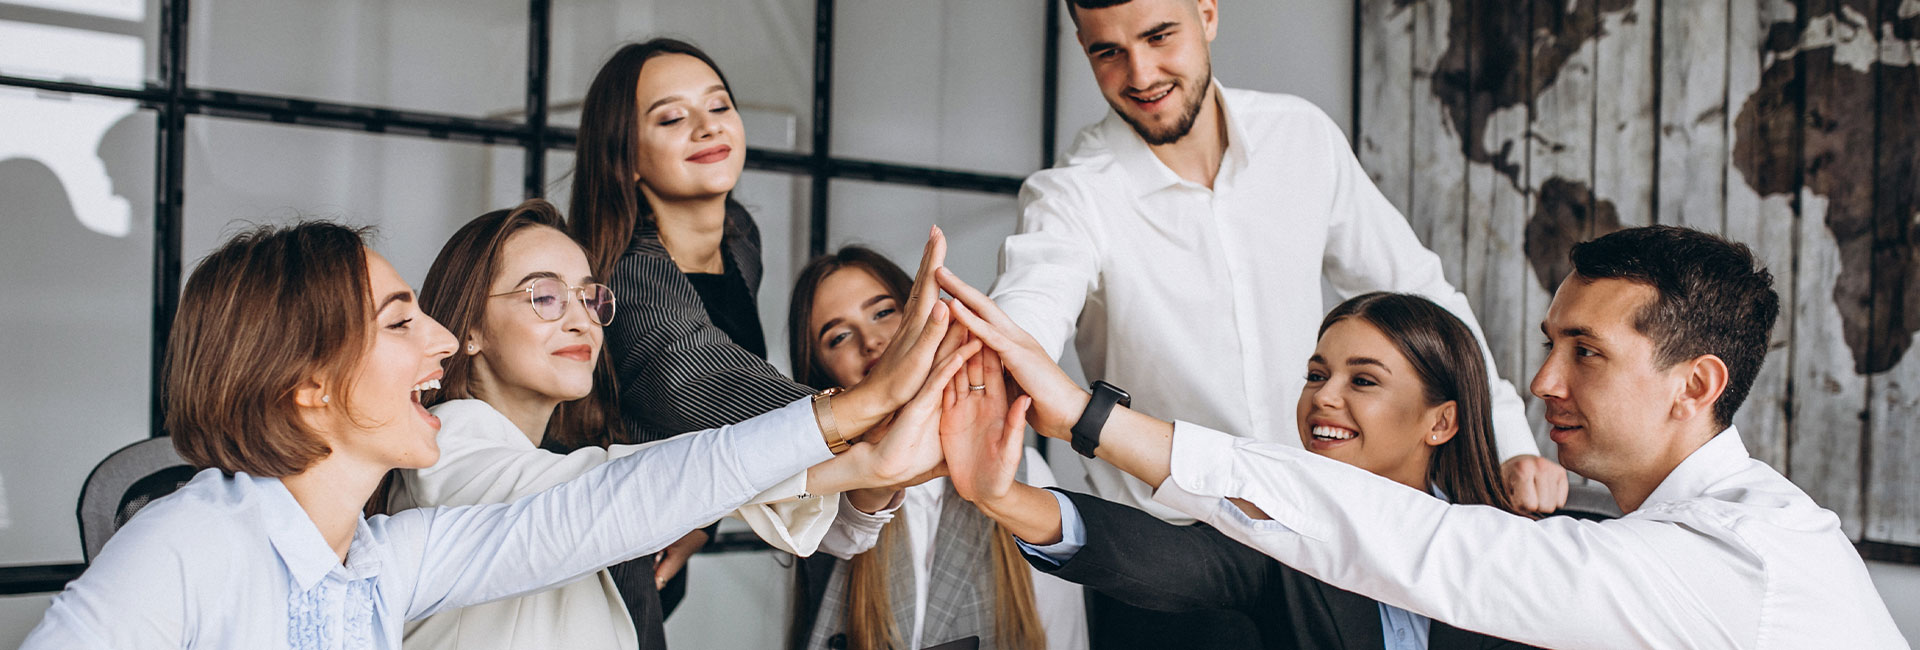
(294, 372)
(519, 414)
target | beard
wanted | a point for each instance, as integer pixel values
(1173, 132)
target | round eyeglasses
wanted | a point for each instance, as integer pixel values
(548, 297)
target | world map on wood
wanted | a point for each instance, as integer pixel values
(1566, 211)
(1509, 130)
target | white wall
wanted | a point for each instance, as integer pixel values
(1899, 585)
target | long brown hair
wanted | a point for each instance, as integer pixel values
(455, 294)
(271, 308)
(1446, 356)
(606, 201)
(869, 614)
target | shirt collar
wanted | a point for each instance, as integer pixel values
(1147, 172)
(294, 537)
(1724, 454)
(302, 549)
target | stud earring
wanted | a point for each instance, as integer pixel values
(472, 347)
(326, 399)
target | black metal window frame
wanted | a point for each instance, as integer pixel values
(172, 99)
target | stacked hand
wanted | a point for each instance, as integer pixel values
(980, 434)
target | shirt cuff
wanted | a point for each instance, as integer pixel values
(1206, 471)
(1073, 535)
(781, 443)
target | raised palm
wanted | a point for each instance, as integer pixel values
(980, 434)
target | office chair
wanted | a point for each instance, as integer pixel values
(124, 483)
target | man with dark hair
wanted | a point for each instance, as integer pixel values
(1654, 339)
(1182, 244)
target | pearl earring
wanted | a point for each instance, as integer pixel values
(472, 347)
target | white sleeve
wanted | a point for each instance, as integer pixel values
(789, 518)
(854, 532)
(484, 460)
(1370, 247)
(619, 510)
(1556, 582)
(1050, 263)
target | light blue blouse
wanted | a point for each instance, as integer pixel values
(234, 562)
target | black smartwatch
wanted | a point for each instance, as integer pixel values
(1086, 432)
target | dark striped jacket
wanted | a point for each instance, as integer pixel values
(677, 371)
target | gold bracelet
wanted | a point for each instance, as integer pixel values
(823, 414)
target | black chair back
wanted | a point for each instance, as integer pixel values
(125, 482)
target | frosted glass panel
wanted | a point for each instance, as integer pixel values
(464, 57)
(945, 84)
(75, 330)
(765, 48)
(894, 220)
(416, 191)
(99, 42)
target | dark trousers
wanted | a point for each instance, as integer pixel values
(1114, 625)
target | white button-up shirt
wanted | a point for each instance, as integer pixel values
(1725, 553)
(1205, 304)
(234, 561)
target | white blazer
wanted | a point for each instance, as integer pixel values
(484, 458)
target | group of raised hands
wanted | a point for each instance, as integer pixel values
(952, 396)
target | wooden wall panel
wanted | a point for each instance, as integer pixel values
(1439, 211)
(1787, 125)
(1559, 169)
(1693, 110)
(1624, 121)
(1826, 436)
(1497, 199)
(1894, 410)
(1386, 114)
(1764, 128)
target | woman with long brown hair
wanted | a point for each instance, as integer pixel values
(293, 378)
(1396, 386)
(520, 414)
(661, 148)
(942, 571)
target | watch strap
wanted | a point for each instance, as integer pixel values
(1086, 431)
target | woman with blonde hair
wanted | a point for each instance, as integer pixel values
(942, 570)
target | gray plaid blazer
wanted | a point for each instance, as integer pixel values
(960, 597)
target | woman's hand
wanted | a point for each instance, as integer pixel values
(980, 435)
(669, 560)
(1057, 401)
(910, 450)
(903, 367)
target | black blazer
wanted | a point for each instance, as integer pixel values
(677, 371)
(1149, 563)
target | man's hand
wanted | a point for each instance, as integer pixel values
(1057, 401)
(1534, 483)
(981, 436)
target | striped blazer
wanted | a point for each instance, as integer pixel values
(677, 371)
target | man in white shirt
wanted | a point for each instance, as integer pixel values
(1655, 339)
(1182, 243)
